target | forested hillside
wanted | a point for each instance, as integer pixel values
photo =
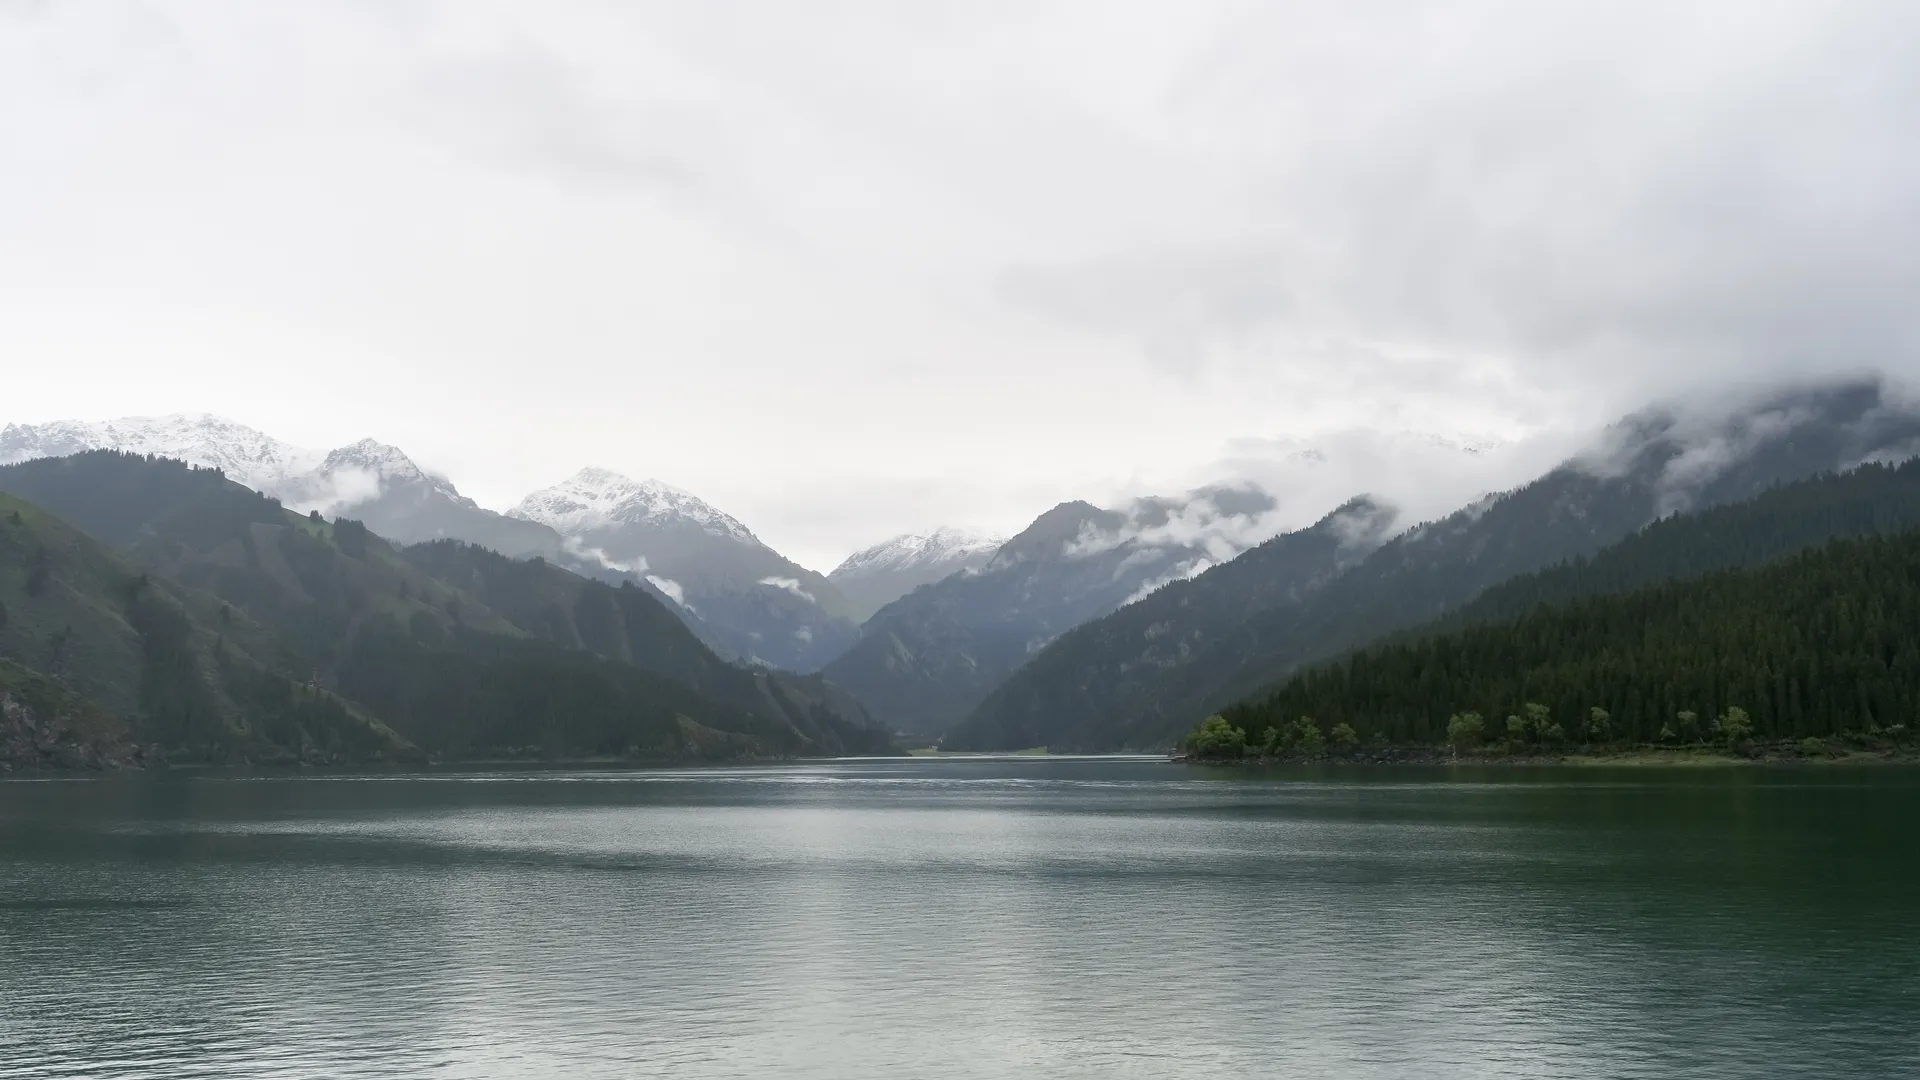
(1824, 642)
(340, 608)
(1871, 500)
(1649, 465)
(627, 624)
(177, 670)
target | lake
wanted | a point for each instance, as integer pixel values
(964, 918)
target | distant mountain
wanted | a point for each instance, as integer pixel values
(1653, 463)
(1101, 666)
(547, 664)
(924, 660)
(760, 605)
(872, 578)
(740, 596)
(248, 457)
(368, 480)
(380, 485)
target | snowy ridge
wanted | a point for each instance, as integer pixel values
(303, 479)
(375, 457)
(247, 456)
(594, 499)
(949, 544)
(359, 472)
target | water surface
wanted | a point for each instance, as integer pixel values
(1025, 917)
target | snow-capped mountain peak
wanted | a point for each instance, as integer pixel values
(883, 573)
(595, 498)
(376, 457)
(358, 472)
(303, 479)
(247, 456)
(942, 546)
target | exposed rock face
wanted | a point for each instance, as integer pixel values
(29, 740)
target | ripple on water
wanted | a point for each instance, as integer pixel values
(957, 919)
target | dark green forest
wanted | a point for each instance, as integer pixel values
(181, 672)
(1824, 643)
(1202, 650)
(1871, 500)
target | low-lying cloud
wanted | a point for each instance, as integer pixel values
(671, 589)
(636, 566)
(330, 491)
(791, 585)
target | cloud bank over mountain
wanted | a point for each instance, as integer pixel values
(872, 269)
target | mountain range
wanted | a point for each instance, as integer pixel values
(1117, 682)
(1093, 628)
(1798, 608)
(737, 593)
(211, 623)
(928, 657)
(760, 605)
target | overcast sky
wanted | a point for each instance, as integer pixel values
(846, 269)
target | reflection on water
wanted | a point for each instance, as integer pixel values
(1092, 918)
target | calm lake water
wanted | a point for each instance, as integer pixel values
(1044, 918)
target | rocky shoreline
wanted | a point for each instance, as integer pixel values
(35, 739)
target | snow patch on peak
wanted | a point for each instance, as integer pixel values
(247, 456)
(595, 498)
(378, 457)
(944, 545)
(303, 479)
(358, 473)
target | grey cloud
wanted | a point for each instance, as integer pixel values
(1177, 303)
(1421, 475)
(330, 490)
(1551, 187)
(1220, 522)
(1683, 446)
(520, 104)
(868, 268)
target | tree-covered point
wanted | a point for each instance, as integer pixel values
(1824, 643)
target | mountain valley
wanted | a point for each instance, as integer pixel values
(1090, 629)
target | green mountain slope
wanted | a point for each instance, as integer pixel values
(1650, 464)
(627, 624)
(1824, 642)
(47, 726)
(1873, 499)
(348, 611)
(185, 672)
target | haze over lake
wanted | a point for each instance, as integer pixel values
(963, 918)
